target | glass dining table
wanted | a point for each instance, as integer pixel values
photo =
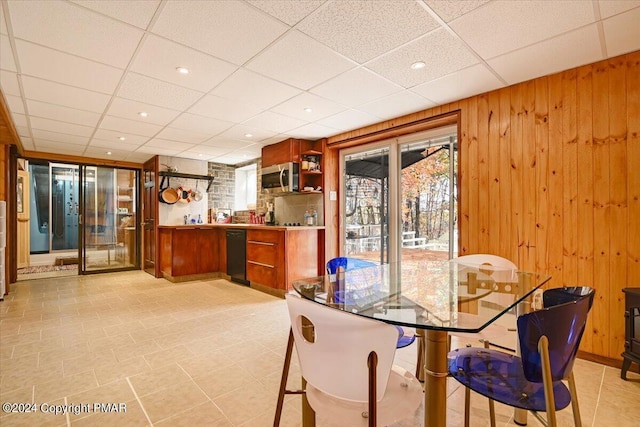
(435, 298)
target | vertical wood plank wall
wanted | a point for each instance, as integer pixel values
(550, 178)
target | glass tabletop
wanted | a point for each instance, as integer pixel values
(438, 295)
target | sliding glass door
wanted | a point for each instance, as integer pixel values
(399, 198)
(109, 218)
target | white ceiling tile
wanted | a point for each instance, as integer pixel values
(56, 93)
(182, 135)
(155, 92)
(226, 143)
(613, 7)
(129, 109)
(44, 135)
(239, 131)
(9, 83)
(439, 50)
(19, 120)
(209, 151)
(195, 155)
(320, 107)
(396, 105)
(93, 36)
(161, 151)
(57, 147)
(127, 145)
(7, 61)
(102, 153)
(499, 27)
(224, 109)
(138, 157)
(300, 61)
(67, 69)
(254, 89)
(3, 25)
(112, 135)
(63, 114)
(159, 58)
(578, 47)
(27, 143)
(60, 127)
(289, 12)
(622, 32)
(459, 85)
(356, 87)
(133, 127)
(15, 104)
(346, 120)
(232, 31)
(23, 131)
(200, 124)
(274, 139)
(167, 144)
(274, 122)
(138, 13)
(362, 30)
(450, 10)
(314, 131)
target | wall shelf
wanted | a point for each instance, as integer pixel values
(167, 175)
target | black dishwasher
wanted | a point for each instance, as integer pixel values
(237, 255)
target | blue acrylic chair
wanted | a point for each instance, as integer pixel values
(405, 335)
(549, 339)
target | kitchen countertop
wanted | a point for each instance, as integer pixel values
(245, 226)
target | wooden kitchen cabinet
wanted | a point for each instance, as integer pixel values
(281, 152)
(188, 251)
(275, 258)
(265, 258)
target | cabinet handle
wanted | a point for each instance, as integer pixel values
(261, 264)
(260, 243)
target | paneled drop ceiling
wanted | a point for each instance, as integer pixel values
(77, 74)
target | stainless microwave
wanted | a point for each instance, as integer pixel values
(282, 178)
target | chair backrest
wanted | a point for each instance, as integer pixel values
(563, 324)
(336, 362)
(347, 264)
(556, 296)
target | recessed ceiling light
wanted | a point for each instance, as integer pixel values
(418, 65)
(248, 135)
(122, 138)
(200, 155)
(108, 153)
(308, 110)
(143, 114)
(182, 70)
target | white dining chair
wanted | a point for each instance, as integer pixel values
(347, 361)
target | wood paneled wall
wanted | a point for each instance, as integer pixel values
(550, 178)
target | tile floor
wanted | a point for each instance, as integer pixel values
(196, 353)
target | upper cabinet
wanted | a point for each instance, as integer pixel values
(311, 167)
(282, 152)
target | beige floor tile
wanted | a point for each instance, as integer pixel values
(37, 346)
(158, 379)
(44, 416)
(133, 417)
(204, 414)
(199, 366)
(115, 392)
(253, 398)
(165, 357)
(222, 381)
(114, 371)
(59, 388)
(128, 351)
(168, 402)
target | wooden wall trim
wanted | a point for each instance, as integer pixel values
(405, 125)
(8, 133)
(81, 160)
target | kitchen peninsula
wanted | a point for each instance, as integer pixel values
(275, 255)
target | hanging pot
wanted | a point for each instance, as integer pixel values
(168, 195)
(197, 194)
(184, 195)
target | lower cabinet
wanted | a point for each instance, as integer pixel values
(187, 251)
(275, 258)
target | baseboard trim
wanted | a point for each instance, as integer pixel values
(614, 363)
